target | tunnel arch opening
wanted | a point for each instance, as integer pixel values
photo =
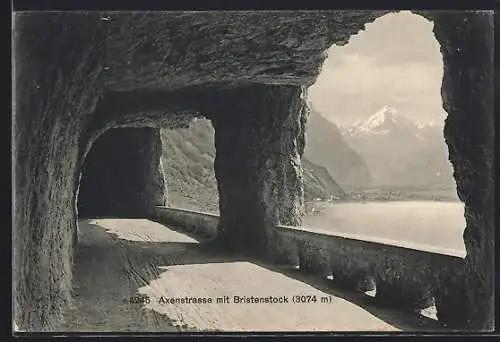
(122, 174)
(377, 117)
(377, 123)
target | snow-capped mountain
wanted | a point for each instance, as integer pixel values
(399, 151)
(385, 121)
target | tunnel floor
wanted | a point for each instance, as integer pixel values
(120, 259)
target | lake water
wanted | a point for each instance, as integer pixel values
(436, 224)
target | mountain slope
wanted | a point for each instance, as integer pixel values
(399, 152)
(325, 146)
(318, 183)
(188, 157)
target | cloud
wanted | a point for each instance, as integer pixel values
(395, 38)
(362, 74)
(395, 61)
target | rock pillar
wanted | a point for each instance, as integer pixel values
(259, 139)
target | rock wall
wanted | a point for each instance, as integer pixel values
(467, 91)
(122, 175)
(57, 83)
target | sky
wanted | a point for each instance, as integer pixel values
(395, 61)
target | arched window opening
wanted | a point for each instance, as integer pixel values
(188, 156)
(376, 125)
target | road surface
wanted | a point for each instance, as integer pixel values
(128, 270)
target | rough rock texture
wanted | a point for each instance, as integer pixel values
(467, 48)
(259, 140)
(174, 49)
(79, 74)
(122, 175)
(57, 82)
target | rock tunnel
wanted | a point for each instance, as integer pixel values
(94, 87)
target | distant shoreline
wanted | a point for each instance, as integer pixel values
(392, 199)
(383, 200)
(313, 207)
(208, 202)
(388, 194)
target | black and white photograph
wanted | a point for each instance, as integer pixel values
(215, 171)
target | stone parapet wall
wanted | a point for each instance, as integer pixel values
(194, 222)
(409, 278)
(406, 276)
